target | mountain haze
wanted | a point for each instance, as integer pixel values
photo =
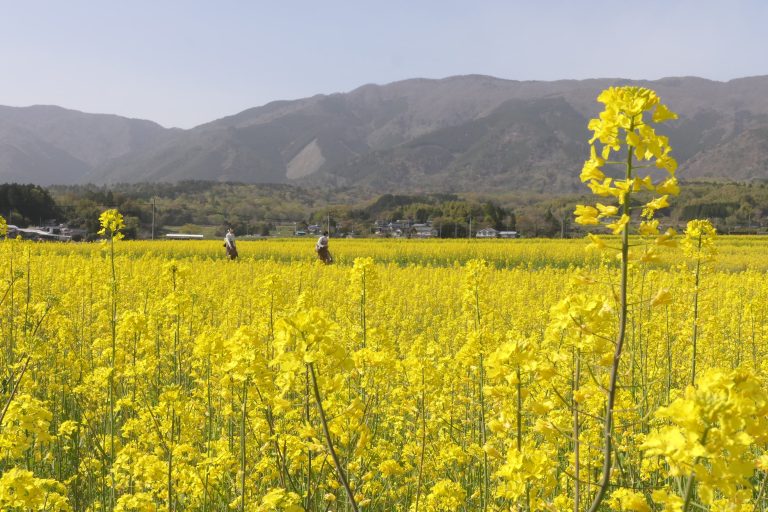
(456, 134)
(56, 145)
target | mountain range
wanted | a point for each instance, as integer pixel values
(464, 133)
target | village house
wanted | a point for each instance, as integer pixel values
(487, 233)
(493, 233)
(423, 230)
(404, 228)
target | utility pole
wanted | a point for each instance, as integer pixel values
(153, 218)
(469, 234)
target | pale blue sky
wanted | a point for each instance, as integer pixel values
(182, 63)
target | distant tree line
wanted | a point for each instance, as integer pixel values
(209, 208)
(448, 214)
(27, 204)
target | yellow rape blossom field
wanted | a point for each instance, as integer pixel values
(521, 375)
(445, 383)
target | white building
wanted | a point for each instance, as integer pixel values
(487, 233)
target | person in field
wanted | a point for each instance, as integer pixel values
(321, 248)
(229, 244)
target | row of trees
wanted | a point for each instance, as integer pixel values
(208, 208)
(27, 204)
(448, 214)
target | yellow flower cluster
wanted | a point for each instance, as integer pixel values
(624, 124)
(699, 241)
(20, 490)
(714, 429)
(111, 222)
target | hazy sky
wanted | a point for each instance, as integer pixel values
(185, 62)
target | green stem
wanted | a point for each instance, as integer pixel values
(423, 440)
(113, 326)
(483, 438)
(14, 389)
(696, 314)
(170, 461)
(576, 441)
(329, 443)
(307, 418)
(691, 481)
(243, 418)
(614, 375)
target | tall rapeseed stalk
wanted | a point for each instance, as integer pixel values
(111, 222)
(699, 246)
(623, 130)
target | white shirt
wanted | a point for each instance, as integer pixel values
(322, 243)
(229, 238)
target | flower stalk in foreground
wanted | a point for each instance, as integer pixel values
(624, 129)
(111, 222)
